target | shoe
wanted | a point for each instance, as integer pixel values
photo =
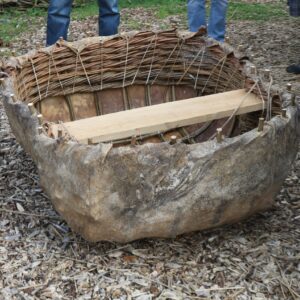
(293, 69)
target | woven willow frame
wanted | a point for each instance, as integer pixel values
(169, 58)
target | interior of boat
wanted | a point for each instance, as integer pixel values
(145, 88)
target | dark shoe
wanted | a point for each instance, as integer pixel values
(293, 69)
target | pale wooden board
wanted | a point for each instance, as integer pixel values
(162, 117)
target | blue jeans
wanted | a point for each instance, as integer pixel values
(59, 18)
(217, 20)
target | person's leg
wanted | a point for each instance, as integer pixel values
(217, 19)
(294, 12)
(295, 69)
(294, 8)
(196, 14)
(58, 20)
(109, 17)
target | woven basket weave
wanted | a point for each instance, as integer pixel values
(136, 69)
(152, 188)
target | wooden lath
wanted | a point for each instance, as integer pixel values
(161, 117)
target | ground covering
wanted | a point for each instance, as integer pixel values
(40, 258)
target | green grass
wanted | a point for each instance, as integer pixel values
(256, 12)
(163, 8)
(13, 22)
(236, 10)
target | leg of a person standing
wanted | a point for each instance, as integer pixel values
(217, 19)
(109, 17)
(196, 14)
(58, 20)
(295, 12)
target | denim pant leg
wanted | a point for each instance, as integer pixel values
(196, 14)
(58, 20)
(109, 17)
(217, 19)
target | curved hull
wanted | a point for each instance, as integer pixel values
(151, 188)
(158, 190)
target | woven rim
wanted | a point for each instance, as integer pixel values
(167, 58)
(147, 58)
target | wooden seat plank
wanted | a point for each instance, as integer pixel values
(162, 117)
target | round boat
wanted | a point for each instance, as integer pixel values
(151, 134)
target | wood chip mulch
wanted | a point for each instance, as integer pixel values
(40, 258)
